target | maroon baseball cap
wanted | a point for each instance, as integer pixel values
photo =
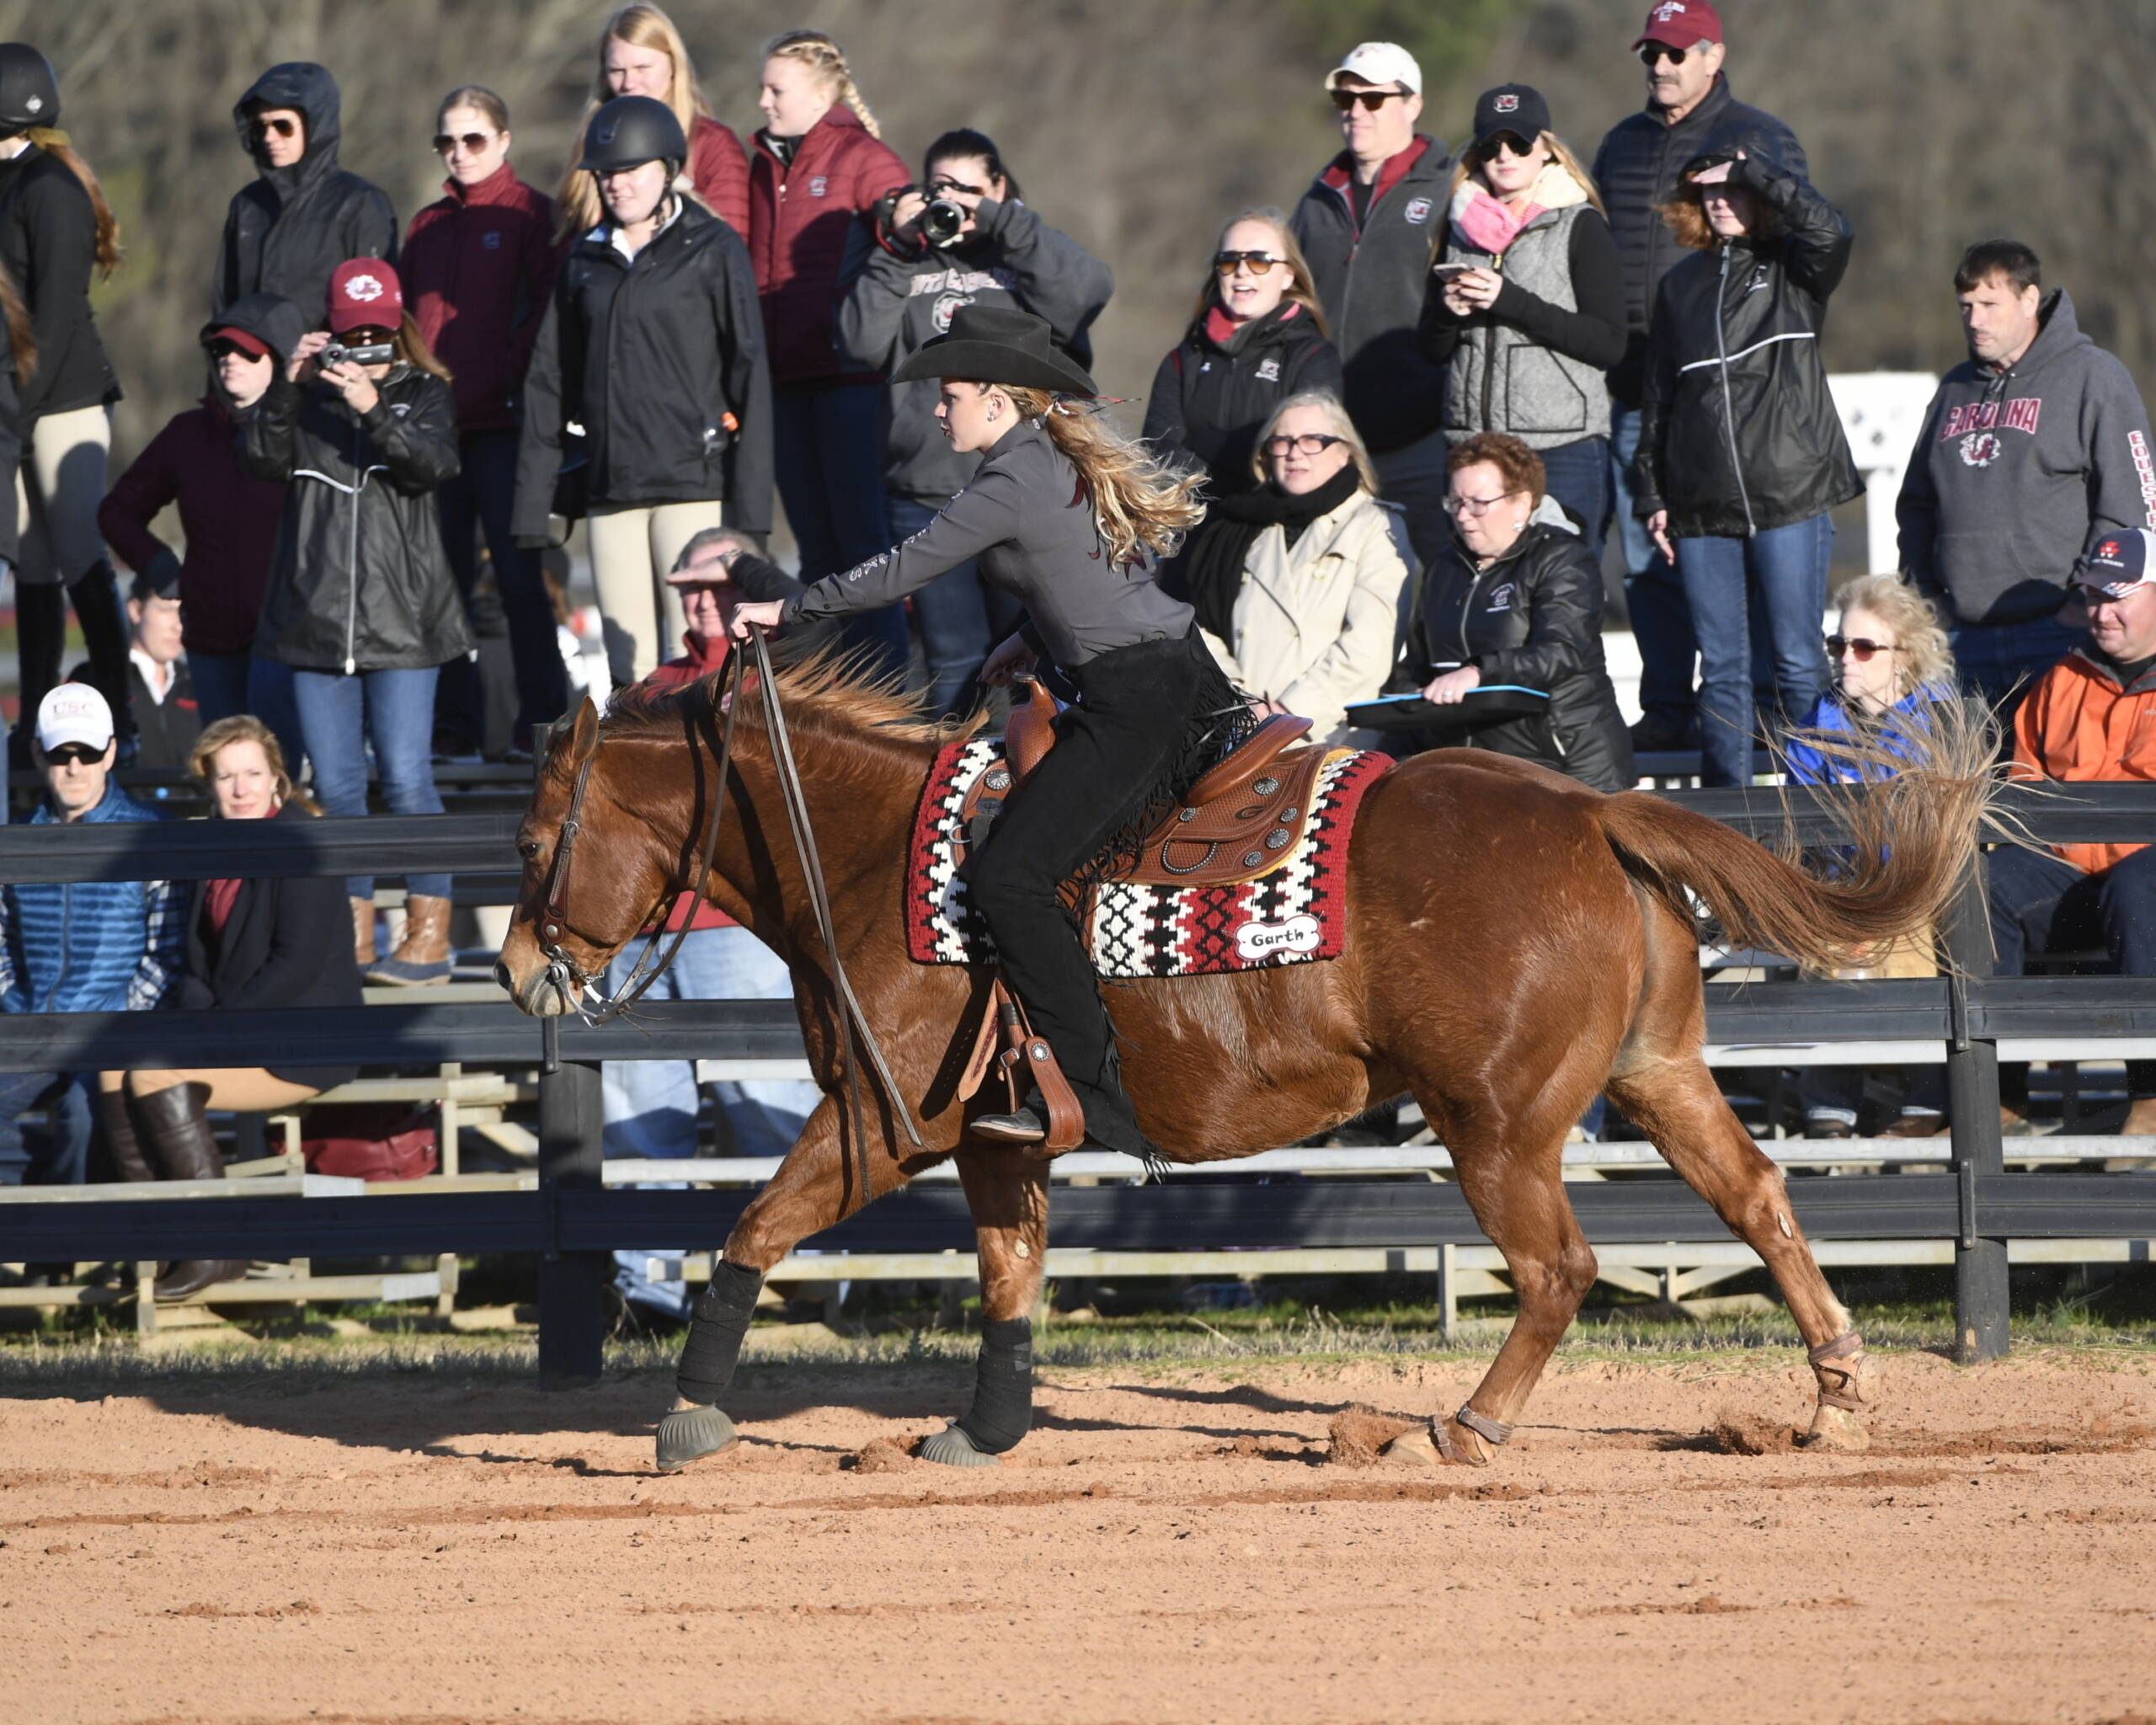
(245, 340)
(364, 294)
(1680, 23)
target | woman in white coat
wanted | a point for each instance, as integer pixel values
(1298, 584)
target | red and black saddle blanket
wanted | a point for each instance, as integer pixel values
(1295, 914)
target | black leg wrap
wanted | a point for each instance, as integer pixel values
(1003, 1387)
(714, 1344)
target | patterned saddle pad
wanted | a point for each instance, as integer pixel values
(1295, 914)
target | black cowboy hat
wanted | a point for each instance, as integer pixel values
(994, 344)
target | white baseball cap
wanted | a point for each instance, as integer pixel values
(1379, 63)
(73, 712)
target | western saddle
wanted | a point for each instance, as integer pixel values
(1241, 820)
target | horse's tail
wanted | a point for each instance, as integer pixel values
(1911, 831)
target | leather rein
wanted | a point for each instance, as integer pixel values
(573, 985)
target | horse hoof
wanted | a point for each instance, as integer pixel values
(1412, 1449)
(1839, 1429)
(690, 1433)
(952, 1448)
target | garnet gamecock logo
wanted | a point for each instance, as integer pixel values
(1506, 104)
(1980, 449)
(1418, 211)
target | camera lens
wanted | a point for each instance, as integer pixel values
(941, 221)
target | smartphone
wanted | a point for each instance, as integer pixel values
(1447, 272)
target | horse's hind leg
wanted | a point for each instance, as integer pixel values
(1008, 1195)
(1676, 1101)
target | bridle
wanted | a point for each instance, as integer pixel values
(573, 984)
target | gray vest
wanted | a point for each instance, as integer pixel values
(1501, 380)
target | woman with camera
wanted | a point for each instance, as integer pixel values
(652, 343)
(1258, 338)
(819, 166)
(1527, 303)
(963, 237)
(478, 265)
(1741, 456)
(362, 428)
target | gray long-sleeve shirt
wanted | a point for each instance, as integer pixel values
(1027, 519)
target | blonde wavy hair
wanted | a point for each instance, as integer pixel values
(1140, 503)
(246, 728)
(1302, 288)
(823, 56)
(1561, 153)
(577, 199)
(1923, 654)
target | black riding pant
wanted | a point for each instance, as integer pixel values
(1115, 751)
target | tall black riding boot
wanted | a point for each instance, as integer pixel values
(40, 638)
(179, 1130)
(120, 1141)
(96, 594)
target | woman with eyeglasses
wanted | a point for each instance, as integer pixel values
(1741, 456)
(1001, 254)
(1525, 302)
(1296, 581)
(1257, 337)
(478, 266)
(1519, 601)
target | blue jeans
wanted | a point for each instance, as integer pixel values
(477, 500)
(828, 445)
(1787, 567)
(395, 711)
(650, 1107)
(1654, 596)
(230, 683)
(63, 1158)
(1995, 659)
(962, 618)
(2041, 903)
(1577, 475)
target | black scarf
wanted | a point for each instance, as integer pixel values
(1209, 571)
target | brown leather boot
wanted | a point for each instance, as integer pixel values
(178, 1132)
(363, 932)
(422, 957)
(118, 1120)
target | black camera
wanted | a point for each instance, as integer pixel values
(942, 221)
(375, 353)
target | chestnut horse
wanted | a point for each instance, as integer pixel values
(1517, 942)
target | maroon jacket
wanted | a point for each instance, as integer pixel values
(478, 267)
(802, 218)
(718, 168)
(228, 517)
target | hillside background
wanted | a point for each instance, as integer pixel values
(1138, 127)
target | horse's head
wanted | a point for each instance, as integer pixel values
(587, 889)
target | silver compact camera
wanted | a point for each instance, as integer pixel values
(374, 353)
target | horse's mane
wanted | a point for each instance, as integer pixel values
(832, 691)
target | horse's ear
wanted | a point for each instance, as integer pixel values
(584, 737)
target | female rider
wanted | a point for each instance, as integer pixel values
(1063, 513)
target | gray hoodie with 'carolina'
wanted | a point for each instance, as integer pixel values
(2015, 470)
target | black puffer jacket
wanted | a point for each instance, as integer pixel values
(1533, 617)
(1637, 168)
(1221, 383)
(287, 232)
(359, 582)
(11, 449)
(48, 241)
(649, 354)
(1738, 432)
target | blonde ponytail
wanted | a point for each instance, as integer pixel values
(1140, 504)
(823, 56)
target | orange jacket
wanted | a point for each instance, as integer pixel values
(2079, 724)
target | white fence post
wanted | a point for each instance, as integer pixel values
(1881, 413)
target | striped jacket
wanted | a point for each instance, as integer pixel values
(103, 946)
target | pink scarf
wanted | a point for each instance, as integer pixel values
(1485, 225)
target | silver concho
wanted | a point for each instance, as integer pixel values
(1265, 786)
(1253, 859)
(998, 780)
(1278, 837)
(1187, 814)
(1290, 815)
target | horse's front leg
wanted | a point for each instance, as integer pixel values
(1008, 1195)
(815, 1189)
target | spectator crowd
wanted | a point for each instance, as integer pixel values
(1419, 398)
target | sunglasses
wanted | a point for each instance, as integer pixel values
(74, 754)
(473, 141)
(1857, 648)
(229, 350)
(1257, 263)
(1654, 53)
(1505, 143)
(1372, 100)
(1310, 443)
(276, 128)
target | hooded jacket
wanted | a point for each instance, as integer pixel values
(478, 268)
(227, 517)
(360, 581)
(901, 300)
(1532, 364)
(48, 242)
(1220, 383)
(1533, 617)
(289, 230)
(1637, 167)
(2015, 471)
(2080, 724)
(1369, 280)
(651, 354)
(806, 237)
(1738, 431)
